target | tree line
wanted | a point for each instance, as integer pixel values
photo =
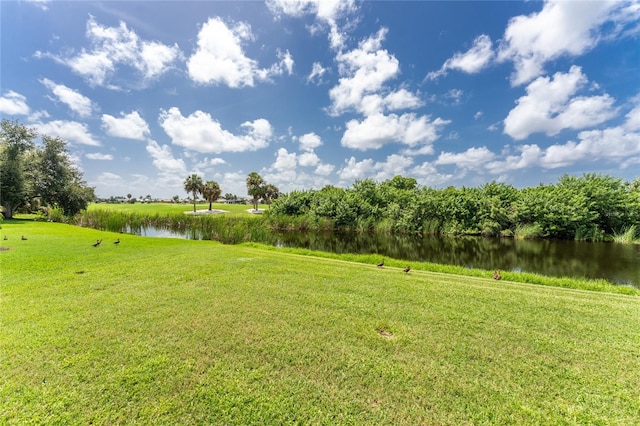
(38, 176)
(257, 188)
(590, 207)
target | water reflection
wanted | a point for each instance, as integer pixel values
(618, 263)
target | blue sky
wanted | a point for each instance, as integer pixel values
(315, 93)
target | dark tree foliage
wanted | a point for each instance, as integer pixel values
(587, 207)
(15, 141)
(33, 175)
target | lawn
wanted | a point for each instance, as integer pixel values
(162, 208)
(172, 331)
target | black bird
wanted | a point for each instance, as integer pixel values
(5, 238)
(116, 242)
(97, 243)
(496, 275)
(407, 269)
(381, 264)
(23, 238)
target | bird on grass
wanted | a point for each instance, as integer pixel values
(381, 264)
(496, 275)
(97, 243)
(5, 238)
(23, 238)
(116, 242)
(407, 269)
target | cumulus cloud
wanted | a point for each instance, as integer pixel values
(202, 133)
(561, 28)
(309, 141)
(472, 158)
(220, 57)
(377, 130)
(115, 47)
(70, 131)
(549, 106)
(364, 71)
(128, 126)
(13, 103)
(613, 143)
(471, 62)
(164, 160)
(328, 13)
(99, 156)
(77, 102)
(377, 170)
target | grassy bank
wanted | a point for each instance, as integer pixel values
(171, 331)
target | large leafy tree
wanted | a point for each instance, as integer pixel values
(255, 187)
(16, 141)
(44, 174)
(211, 191)
(193, 184)
(57, 182)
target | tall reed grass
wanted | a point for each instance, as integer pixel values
(627, 235)
(223, 228)
(528, 231)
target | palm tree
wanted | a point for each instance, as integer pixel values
(211, 191)
(255, 187)
(193, 184)
(271, 192)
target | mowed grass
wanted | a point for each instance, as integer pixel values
(164, 208)
(172, 331)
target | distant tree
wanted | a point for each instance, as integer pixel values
(255, 187)
(271, 192)
(229, 196)
(211, 191)
(176, 199)
(193, 184)
(15, 141)
(129, 196)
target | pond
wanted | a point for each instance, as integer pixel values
(615, 262)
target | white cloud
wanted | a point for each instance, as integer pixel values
(377, 170)
(42, 4)
(70, 131)
(129, 126)
(99, 156)
(472, 158)
(13, 103)
(164, 160)
(285, 160)
(609, 144)
(324, 169)
(317, 71)
(548, 106)
(77, 102)
(200, 132)
(327, 13)
(471, 62)
(220, 57)
(112, 47)
(308, 159)
(364, 71)
(377, 130)
(561, 28)
(309, 141)
(633, 119)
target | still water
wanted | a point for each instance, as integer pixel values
(615, 262)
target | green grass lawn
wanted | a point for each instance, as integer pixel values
(162, 208)
(173, 331)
